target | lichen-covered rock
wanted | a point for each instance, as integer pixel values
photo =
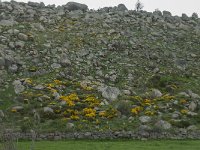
(192, 106)
(155, 93)
(145, 119)
(121, 7)
(163, 125)
(48, 110)
(18, 87)
(110, 93)
(71, 6)
(17, 108)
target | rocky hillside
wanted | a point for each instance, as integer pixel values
(68, 67)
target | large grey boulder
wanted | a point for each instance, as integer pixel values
(48, 110)
(110, 93)
(64, 60)
(22, 37)
(71, 6)
(18, 87)
(193, 95)
(121, 7)
(145, 119)
(184, 17)
(155, 93)
(163, 124)
(7, 23)
(35, 4)
(192, 106)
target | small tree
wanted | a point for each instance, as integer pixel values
(138, 6)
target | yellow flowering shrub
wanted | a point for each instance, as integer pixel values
(183, 101)
(93, 101)
(167, 97)
(70, 103)
(102, 114)
(149, 113)
(136, 110)
(74, 117)
(57, 82)
(138, 98)
(70, 99)
(89, 112)
(13, 110)
(28, 81)
(184, 111)
(147, 102)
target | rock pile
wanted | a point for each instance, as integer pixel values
(115, 57)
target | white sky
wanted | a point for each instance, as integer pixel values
(176, 7)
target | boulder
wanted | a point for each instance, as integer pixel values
(121, 7)
(64, 60)
(18, 108)
(155, 93)
(71, 6)
(55, 66)
(7, 23)
(22, 37)
(69, 125)
(184, 17)
(18, 87)
(163, 124)
(145, 119)
(48, 110)
(192, 106)
(193, 95)
(13, 68)
(110, 93)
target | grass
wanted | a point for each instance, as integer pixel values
(113, 145)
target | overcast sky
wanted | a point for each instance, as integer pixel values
(176, 7)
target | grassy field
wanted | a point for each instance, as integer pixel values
(113, 145)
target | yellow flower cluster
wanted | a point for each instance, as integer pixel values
(13, 110)
(149, 113)
(70, 99)
(89, 112)
(58, 82)
(184, 111)
(74, 117)
(136, 110)
(147, 102)
(102, 114)
(93, 101)
(167, 97)
(138, 98)
(28, 81)
(183, 101)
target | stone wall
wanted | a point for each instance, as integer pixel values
(138, 135)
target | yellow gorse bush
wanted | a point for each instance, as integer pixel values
(58, 82)
(74, 117)
(149, 113)
(70, 99)
(184, 111)
(92, 101)
(136, 110)
(183, 101)
(147, 102)
(89, 112)
(102, 114)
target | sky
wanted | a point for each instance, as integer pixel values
(176, 7)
